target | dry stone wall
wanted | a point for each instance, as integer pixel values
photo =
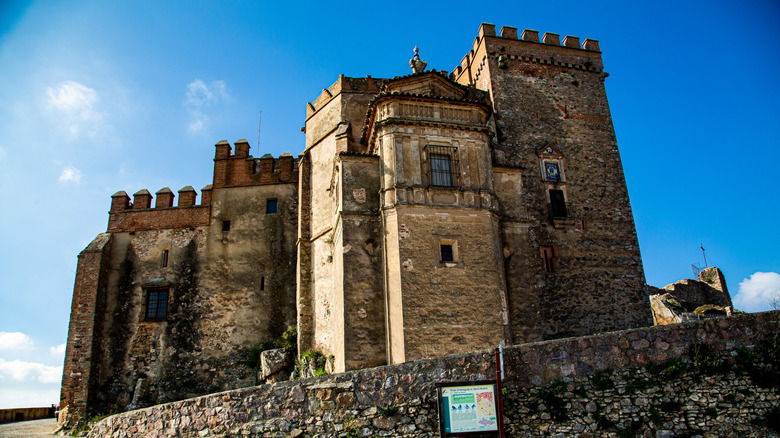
(707, 378)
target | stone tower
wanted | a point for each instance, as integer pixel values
(445, 213)
(572, 257)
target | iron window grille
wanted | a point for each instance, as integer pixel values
(442, 167)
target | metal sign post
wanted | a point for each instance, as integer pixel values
(499, 392)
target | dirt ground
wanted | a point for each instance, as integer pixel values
(28, 429)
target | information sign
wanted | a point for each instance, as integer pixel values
(467, 408)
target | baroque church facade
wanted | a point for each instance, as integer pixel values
(428, 214)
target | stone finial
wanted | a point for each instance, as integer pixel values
(417, 64)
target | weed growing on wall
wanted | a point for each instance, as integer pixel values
(602, 380)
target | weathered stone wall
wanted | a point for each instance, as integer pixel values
(552, 95)
(25, 414)
(330, 280)
(229, 271)
(707, 378)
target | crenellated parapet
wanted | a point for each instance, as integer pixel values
(344, 84)
(239, 169)
(139, 215)
(528, 47)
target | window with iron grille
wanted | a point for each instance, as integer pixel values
(156, 304)
(442, 168)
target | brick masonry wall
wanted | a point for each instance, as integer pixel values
(158, 218)
(84, 327)
(598, 385)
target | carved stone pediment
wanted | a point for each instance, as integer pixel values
(428, 84)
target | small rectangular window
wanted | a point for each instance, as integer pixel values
(156, 304)
(270, 206)
(225, 226)
(262, 283)
(557, 203)
(164, 260)
(446, 253)
(448, 250)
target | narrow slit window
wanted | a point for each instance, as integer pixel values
(262, 283)
(225, 226)
(271, 206)
(164, 259)
(548, 256)
(156, 304)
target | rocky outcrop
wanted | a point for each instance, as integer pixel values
(691, 299)
(275, 365)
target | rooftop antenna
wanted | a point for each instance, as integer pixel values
(259, 121)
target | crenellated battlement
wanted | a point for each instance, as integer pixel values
(238, 169)
(139, 215)
(347, 85)
(528, 48)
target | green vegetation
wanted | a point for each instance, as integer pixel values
(670, 369)
(601, 380)
(351, 429)
(387, 410)
(311, 362)
(288, 340)
(630, 431)
(704, 360)
(555, 405)
(86, 426)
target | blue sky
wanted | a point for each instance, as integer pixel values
(101, 96)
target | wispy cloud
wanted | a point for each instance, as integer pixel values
(15, 341)
(2, 154)
(199, 98)
(22, 371)
(70, 175)
(756, 292)
(77, 105)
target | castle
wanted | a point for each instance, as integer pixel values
(427, 215)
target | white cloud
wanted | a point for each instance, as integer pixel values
(29, 371)
(70, 174)
(15, 341)
(756, 292)
(201, 96)
(11, 398)
(2, 154)
(77, 105)
(58, 351)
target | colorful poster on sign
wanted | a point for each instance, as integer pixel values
(469, 408)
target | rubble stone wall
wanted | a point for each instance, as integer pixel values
(708, 377)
